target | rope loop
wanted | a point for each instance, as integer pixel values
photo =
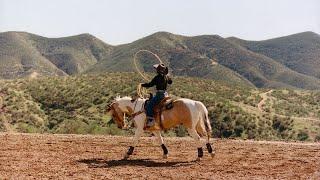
(141, 91)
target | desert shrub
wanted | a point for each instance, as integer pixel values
(180, 131)
(77, 104)
(282, 126)
(27, 128)
(2, 128)
(238, 130)
(114, 130)
(169, 133)
(228, 121)
(303, 136)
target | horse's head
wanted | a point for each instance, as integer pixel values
(119, 108)
(116, 114)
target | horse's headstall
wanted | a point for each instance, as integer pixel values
(110, 106)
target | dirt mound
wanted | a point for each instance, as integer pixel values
(27, 156)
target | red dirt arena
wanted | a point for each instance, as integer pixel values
(46, 156)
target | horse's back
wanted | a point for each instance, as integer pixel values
(196, 108)
(179, 114)
(193, 106)
(183, 112)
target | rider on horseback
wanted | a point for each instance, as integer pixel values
(161, 80)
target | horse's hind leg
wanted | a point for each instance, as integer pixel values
(201, 130)
(160, 141)
(210, 150)
(193, 133)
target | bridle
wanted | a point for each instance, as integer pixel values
(131, 116)
(111, 107)
(134, 114)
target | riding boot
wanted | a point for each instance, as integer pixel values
(150, 122)
(151, 125)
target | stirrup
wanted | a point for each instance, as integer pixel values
(150, 123)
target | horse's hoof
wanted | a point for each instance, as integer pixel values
(212, 154)
(126, 156)
(165, 156)
(198, 159)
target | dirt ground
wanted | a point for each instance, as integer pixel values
(29, 156)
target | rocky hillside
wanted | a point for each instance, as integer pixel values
(290, 62)
(299, 52)
(23, 54)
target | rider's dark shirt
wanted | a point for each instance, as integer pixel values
(160, 81)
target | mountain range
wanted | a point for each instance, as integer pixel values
(287, 62)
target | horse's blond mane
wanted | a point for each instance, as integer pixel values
(124, 98)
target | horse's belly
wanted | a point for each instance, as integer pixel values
(180, 114)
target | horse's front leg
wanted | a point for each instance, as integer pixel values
(137, 135)
(161, 143)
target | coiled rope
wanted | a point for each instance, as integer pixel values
(141, 91)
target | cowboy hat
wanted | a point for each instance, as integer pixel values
(161, 68)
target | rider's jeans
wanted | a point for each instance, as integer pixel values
(154, 101)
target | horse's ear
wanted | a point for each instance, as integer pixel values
(112, 99)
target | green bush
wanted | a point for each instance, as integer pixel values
(303, 136)
(180, 131)
(77, 104)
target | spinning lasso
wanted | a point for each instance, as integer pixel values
(142, 92)
(135, 62)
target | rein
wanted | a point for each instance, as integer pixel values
(134, 114)
(130, 112)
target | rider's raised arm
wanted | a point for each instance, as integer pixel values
(150, 84)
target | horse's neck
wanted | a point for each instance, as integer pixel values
(136, 105)
(140, 103)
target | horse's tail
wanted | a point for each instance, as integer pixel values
(205, 117)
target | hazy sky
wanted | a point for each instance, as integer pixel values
(123, 21)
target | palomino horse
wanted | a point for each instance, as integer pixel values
(191, 114)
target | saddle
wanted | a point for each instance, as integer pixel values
(165, 104)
